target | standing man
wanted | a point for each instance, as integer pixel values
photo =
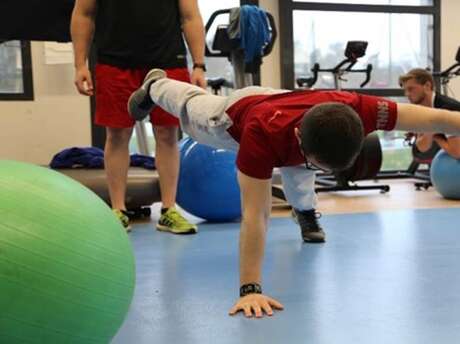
(418, 85)
(131, 38)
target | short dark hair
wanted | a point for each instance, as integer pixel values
(333, 134)
(420, 75)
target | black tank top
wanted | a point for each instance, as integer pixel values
(140, 33)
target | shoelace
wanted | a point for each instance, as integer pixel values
(176, 217)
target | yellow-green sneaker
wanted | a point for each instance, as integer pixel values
(172, 221)
(124, 219)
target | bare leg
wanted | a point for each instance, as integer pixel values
(167, 163)
(117, 163)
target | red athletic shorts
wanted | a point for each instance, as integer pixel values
(113, 88)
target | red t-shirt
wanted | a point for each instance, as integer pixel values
(264, 125)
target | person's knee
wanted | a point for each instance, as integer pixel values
(118, 136)
(166, 135)
(422, 148)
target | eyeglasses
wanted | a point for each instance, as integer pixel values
(312, 167)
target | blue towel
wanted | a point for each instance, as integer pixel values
(144, 161)
(254, 32)
(75, 157)
(91, 157)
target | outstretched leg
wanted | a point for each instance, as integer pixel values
(202, 115)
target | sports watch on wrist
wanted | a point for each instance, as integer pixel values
(250, 288)
(200, 65)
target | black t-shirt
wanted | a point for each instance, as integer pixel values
(444, 102)
(140, 33)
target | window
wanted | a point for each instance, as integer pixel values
(402, 34)
(376, 2)
(397, 42)
(15, 71)
(397, 155)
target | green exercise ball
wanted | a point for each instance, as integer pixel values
(66, 264)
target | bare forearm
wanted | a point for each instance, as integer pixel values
(252, 247)
(82, 30)
(450, 145)
(422, 119)
(194, 35)
(449, 122)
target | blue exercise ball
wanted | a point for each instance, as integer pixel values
(184, 144)
(445, 175)
(208, 186)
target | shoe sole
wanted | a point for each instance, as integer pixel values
(133, 108)
(133, 104)
(150, 75)
(314, 241)
(162, 228)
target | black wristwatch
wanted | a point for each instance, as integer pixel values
(200, 65)
(250, 288)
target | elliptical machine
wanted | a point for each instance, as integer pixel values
(223, 46)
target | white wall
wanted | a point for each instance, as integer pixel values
(271, 68)
(58, 118)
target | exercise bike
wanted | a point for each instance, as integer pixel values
(369, 161)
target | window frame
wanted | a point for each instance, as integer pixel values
(286, 34)
(27, 77)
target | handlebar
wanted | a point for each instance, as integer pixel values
(338, 70)
(353, 51)
(447, 72)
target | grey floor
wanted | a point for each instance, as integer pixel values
(391, 277)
